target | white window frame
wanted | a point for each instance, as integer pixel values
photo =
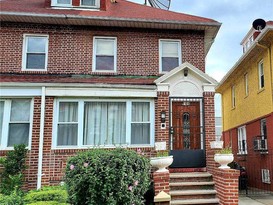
(160, 52)
(81, 122)
(233, 96)
(246, 85)
(6, 122)
(24, 54)
(266, 176)
(261, 74)
(55, 3)
(242, 137)
(95, 52)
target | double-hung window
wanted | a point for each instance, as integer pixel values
(15, 122)
(233, 96)
(169, 54)
(90, 3)
(263, 134)
(35, 52)
(246, 84)
(85, 123)
(104, 54)
(261, 74)
(242, 143)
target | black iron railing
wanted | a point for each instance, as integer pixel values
(260, 144)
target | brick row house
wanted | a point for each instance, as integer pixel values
(247, 106)
(82, 74)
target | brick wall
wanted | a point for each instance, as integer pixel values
(71, 47)
(161, 182)
(209, 127)
(226, 185)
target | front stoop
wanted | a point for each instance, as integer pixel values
(192, 188)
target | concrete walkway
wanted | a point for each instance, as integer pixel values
(256, 200)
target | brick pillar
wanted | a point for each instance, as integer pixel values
(226, 185)
(162, 104)
(162, 183)
(209, 128)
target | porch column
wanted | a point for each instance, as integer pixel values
(209, 128)
(162, 104)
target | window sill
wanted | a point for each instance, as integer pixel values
(241, 154)
(29, 70)
(260, 90)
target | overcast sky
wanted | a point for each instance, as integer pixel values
(236, 18)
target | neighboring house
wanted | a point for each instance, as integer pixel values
(247, 107)
(79, 74)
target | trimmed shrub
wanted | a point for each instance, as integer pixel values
(110, 177)
(59, 196)
(13, 167)
(15, 198)
(48, 203)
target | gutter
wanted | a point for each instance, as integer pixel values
(41, 140)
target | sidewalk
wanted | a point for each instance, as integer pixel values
(257, 200)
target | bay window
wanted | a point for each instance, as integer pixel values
(89, 123)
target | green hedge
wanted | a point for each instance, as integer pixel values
(107, 177)
(59, 196)
(48, 203)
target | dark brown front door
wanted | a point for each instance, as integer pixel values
(186, 133)
(186, 125)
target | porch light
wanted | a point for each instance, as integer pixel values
(186, 71)
(163, 116)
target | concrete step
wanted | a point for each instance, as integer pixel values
(192, 194)
(190, 177)
(191, 185)
(195, 201)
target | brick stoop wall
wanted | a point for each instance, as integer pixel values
(161, 183)
(226, 185)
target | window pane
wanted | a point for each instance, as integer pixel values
(36, 44)
(63, 1)
(169, 63)
(105, 63)
(105, 47)
(67, 134)
(35, 61)
(68, 112)
(104, 123)
(1, 118)
(140, 133)
(140, 112)
(20, 110)
(170, 49)
(18, 134)
(88, 2)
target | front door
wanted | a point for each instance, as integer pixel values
(187, 134)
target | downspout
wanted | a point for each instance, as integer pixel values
(41, 140)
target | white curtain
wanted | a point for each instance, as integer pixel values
(68, 123)
(104, 123)
(140, 129)
(170, 49)
(19, 122)
(1, 118)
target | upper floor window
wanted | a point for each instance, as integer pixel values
(105, 54)
(246, 84)
(233, 96)
(15, 122)
(169, 54)
(82, 122)
(76, 3)
(242, 144)
(35, 52)
(261, 74)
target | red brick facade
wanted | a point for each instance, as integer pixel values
(71, 47)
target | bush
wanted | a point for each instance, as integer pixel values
(14, 165)
(48, 203)
(15, 198)
(59, 196)
(107, 177)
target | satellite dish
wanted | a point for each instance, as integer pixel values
(160, 4)
(259, 24)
